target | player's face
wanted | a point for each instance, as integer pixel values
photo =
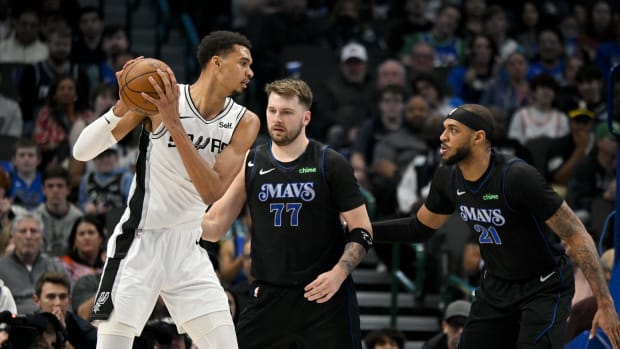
(286, 118)
(236, 68)
(455, 142)
(54, 297)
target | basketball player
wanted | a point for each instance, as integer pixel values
(525, 293)
(190, 152)
(298, 192)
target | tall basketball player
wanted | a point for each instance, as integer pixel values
(189, 154)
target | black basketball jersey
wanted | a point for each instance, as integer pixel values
(295, 209)
(506, 210)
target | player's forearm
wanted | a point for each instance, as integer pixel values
(96, 137)
(351, 257)
(582, 251)
(206, 181)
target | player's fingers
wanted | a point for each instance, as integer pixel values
(173, 78)
(593, 330)
(149, 98)
(131, 61)
(156, 86)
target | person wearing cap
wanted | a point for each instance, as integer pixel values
(454, 319)
(594, 179)
(518, 220)
(565, 152)
(345, 92)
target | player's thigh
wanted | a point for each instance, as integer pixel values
(212, 331)
(552, 339)
(487, 327)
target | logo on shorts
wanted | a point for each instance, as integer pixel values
(103, 297)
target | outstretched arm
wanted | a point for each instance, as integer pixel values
(325, 286)
(581, 249)
(410, 229)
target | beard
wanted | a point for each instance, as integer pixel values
(286, 138)
(461, 153)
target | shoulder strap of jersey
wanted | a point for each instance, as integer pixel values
(324, 148)
(503, 182)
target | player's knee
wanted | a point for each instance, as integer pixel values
(203, 325)
(116, 328)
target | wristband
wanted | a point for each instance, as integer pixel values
(361, 236)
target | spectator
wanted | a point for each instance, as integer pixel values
(242, 288)
(393, 154)
(107, 187)
(498, 27)
(37, 79)
(566, 152)
(608, 53)
(472, 22)
(344, 93)
(449, 49)
(351, 20)
(57, 213)
(600, 25)
(470, 80)
(83, 295)
(439, 101)
(512, 91)
(420, 60)
(114, 42)
(452, 325)
(410, 19)
(86, 248)
(52, 295)
(539, 118)
(26, 263)
(385, 338)
(590, 81)
(373, 130)
(87, 48)
(550, 55)
(230, 253)
(529, 23)
(24, 45)
(595, 175)
(26, 180)
(60, 121)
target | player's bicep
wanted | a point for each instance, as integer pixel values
(565, 223)
(229, 161)
(357, 218)
(431, 219)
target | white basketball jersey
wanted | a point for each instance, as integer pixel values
(162, 194)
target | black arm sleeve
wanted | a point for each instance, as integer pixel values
(406, 230)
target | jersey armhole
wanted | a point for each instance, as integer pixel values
(504, 174)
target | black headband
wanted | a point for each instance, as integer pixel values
(472, 120)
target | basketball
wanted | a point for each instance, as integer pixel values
(135, 79)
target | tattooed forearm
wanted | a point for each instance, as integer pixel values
(580, 247)
(352, 256)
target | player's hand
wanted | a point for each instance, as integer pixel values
(325, 286)
(607, 319)
(168, 102)
(120, 108)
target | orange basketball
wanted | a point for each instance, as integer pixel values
(135, 79)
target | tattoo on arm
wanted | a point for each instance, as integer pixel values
(352, 256)
(580, 247)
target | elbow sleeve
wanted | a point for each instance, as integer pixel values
(96, 137)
